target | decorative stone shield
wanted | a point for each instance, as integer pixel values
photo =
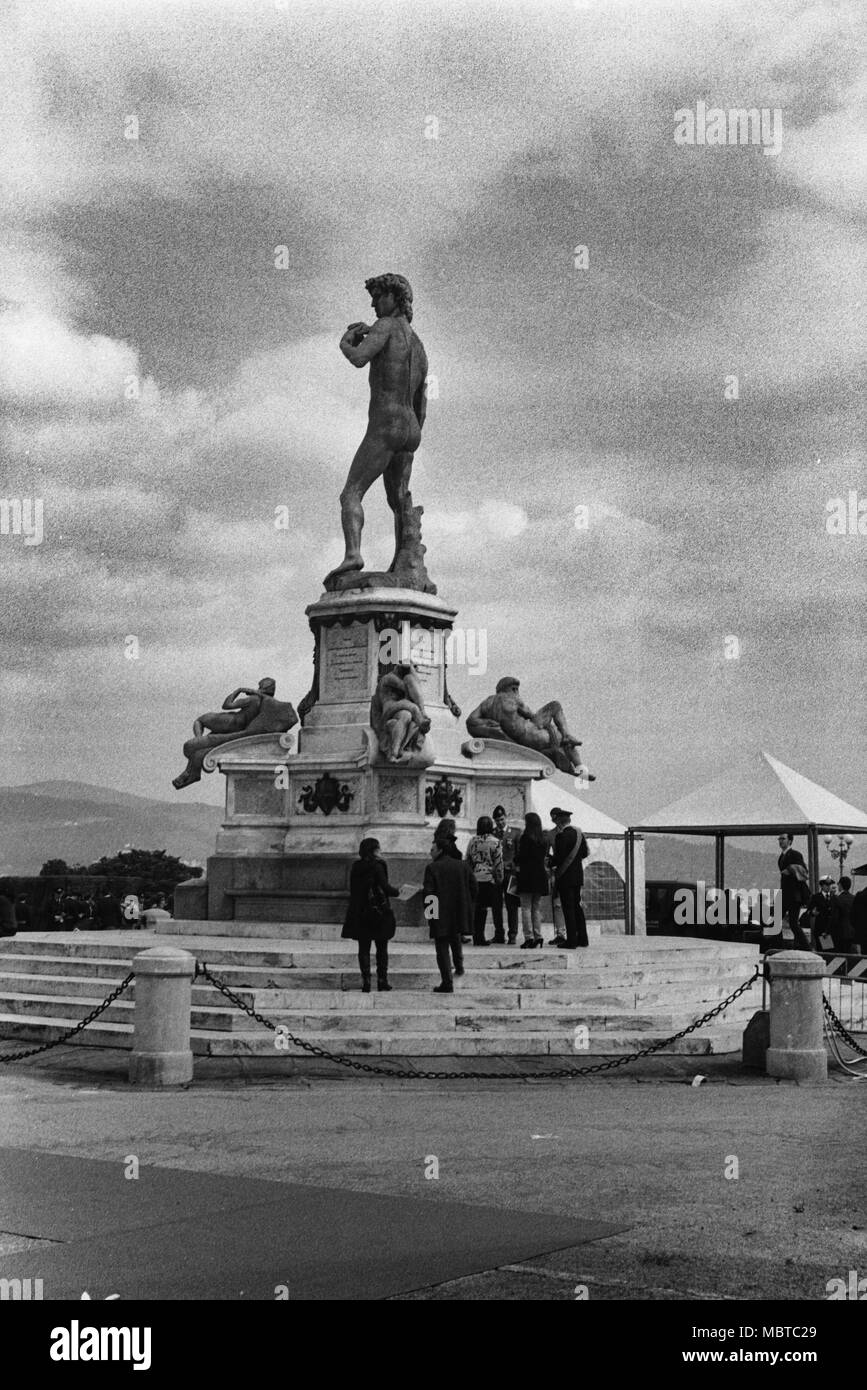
(326, 795)
(443, 797)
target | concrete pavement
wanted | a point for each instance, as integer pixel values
(647, 1153)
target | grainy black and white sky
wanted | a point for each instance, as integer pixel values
(301, 125)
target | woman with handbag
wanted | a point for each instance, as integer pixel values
(369, 917)
(532, 878)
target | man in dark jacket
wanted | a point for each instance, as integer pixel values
(449, 894)
(842, 926)
(793, 877)
(819, 911)
(567, 855)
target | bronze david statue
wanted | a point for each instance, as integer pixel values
(398, 401)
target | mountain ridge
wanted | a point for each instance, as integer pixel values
(80, 822)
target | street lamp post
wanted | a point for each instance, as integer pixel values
(838, 851)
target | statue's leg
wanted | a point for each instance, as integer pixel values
(552, 718)
(564, 745)
(415, 694)
(369, 463)
(400, 726)
(194, 752)
(396, 478)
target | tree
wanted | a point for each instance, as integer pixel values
(58, 868)
(160, 872)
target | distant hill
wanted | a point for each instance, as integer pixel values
(690, 860)
(81, 823)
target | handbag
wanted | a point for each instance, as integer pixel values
(378, 918)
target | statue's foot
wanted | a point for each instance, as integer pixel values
(180, 782)
(350, 564)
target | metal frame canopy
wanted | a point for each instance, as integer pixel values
(760, 797)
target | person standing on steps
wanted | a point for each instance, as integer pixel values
(532, 879)
(569, 850)
(368, 916)
(485, 857)
(449, 893)
(508, 837)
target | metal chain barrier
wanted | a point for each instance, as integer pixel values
(839, 1028)
(71, 1032)
(558, 1074)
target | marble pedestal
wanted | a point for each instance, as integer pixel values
(296, 811)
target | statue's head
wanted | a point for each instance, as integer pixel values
(267, 685)
(396, 285)
(507, 683)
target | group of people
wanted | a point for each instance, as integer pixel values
(504, 866)
(84, 911)
(518, 868)
(833, 919)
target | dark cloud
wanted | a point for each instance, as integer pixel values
(192, 280)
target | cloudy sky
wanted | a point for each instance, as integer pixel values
(166, 387)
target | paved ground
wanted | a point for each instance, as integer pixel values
(646, 1152)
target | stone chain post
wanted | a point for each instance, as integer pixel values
(797, 1043)
(161, 1054)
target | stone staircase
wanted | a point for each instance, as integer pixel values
(628, 992)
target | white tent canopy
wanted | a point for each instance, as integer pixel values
(759, 796)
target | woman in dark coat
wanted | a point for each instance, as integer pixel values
(450, 890)
(532, 879)
(369, 917)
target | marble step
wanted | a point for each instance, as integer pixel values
(466, 1043)
(278, 989)
(720, 1039)
(279, 1004)
(262, 976)
(314, 929)
(444, 1012)
(605, 956)
(79, 977)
